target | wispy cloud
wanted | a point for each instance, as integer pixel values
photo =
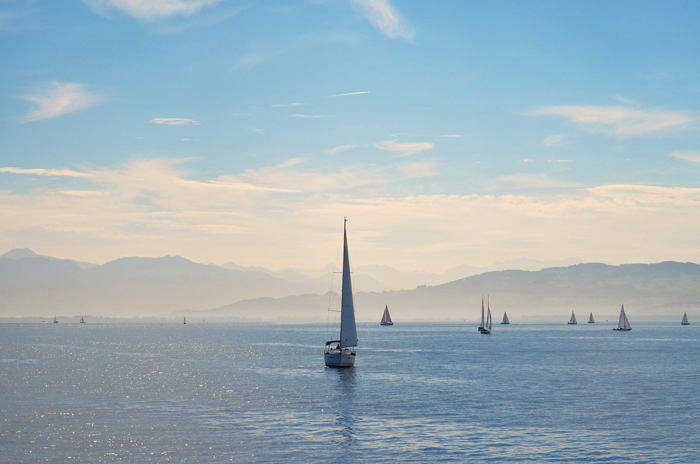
(340, 148)
(691, 156)
(553, 140)
(560, 161)
(526, 160)
(174, 121)
(308, 116)
(620, 121)
(534, 181)
(452, 136)
(256, 58)
(404, 149)
(149, 9)
(284, 105)
(349, 94)
(46, 172)
(59, 98)
(384, 17)
(419, 169)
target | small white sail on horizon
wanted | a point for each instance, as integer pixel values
(684, 321)
(590, 319)
(184, 319)
(386, 318)
(82, 321)
(623, 324)
(55, 320)
(573, 319)
(505, 318)
(339, 353)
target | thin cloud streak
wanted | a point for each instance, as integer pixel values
(340, 148)
(419, 169)
(351, 93)
(690, 156)
(620, 121)
(149, 9)
(404, 149)
(46, 172)
(59, 98)
(174, 121)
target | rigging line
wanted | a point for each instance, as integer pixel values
(330, 294)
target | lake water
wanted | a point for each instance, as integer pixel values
(420, 392)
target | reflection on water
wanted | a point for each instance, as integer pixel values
(346, 379)
(173, 393)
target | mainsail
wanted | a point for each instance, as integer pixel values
(685, 319)
(624, 324)
(481, 326)
(488, 316)
(505, 318)
(590, 319)
(573, 318)
(348, 331)
(386, 318)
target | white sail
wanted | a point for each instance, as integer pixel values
(348, 330)
(481, 326)
(386, 318)
(590, 319)
(685, 319)
(623, 324)
(505, 319)
(573, 318)
(488, 318)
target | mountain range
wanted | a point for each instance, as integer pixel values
(35, 285)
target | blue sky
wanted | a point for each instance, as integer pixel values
(449, 132)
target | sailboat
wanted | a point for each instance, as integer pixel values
(590, 319)
(82, 321)
(505, 318)
(624, 324)
(573, 319)
(341, 353)
(685, 319)
(386, 318)
(55, 321)
(485, 327)
(184, 319)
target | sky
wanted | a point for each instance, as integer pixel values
(448, 132)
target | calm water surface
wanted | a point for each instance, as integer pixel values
(421, 392)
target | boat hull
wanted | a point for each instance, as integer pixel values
(685, 323)
(386, 323)
(618, 329)
(572, 323)
(339, 359)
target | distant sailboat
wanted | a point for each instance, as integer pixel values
(685, 319)
(505, 318)
(624, 324)
(184, 319)
(82, 321)
(485, 327)
(386, 318)
(573, 319)
(55, 321)
(341, 353)
(590, 319)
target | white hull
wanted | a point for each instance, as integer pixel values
(339, 359)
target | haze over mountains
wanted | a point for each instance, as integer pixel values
(34, 285)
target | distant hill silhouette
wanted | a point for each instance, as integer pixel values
(649, 291)
(34, 285)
